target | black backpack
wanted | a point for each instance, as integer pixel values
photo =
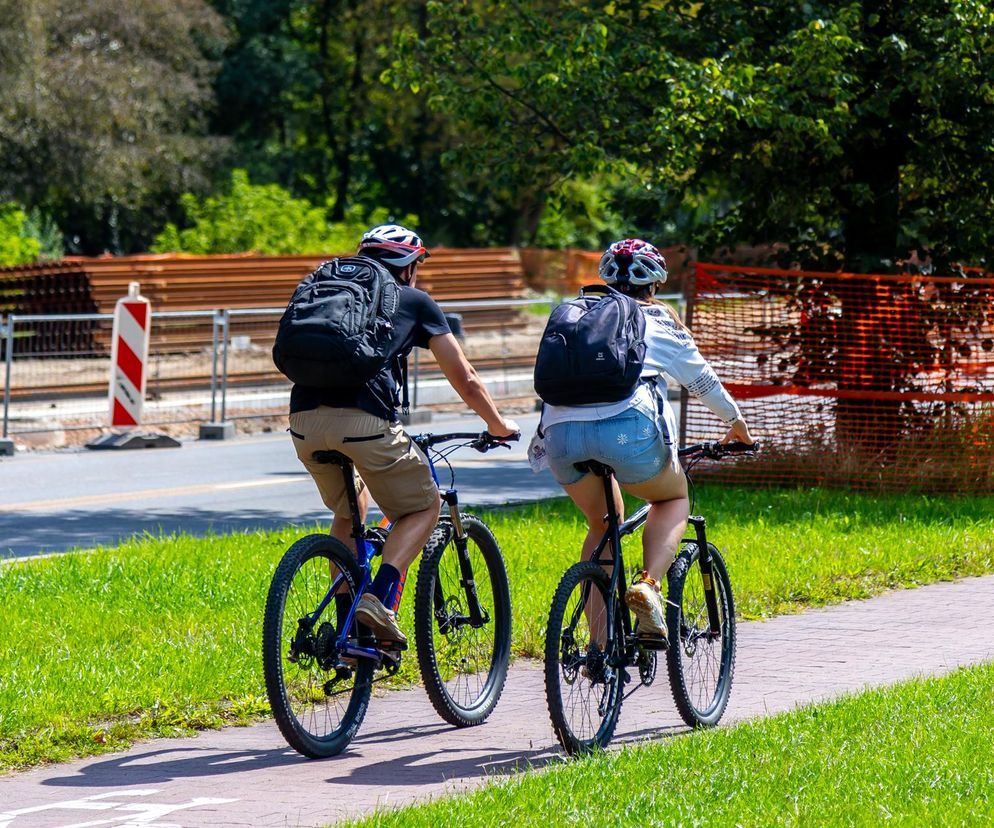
(337, 329)
(592, 350)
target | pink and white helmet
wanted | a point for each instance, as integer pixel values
(632, 261)
(394, 245)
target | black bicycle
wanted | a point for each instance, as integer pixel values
(591, 642)
(319, 662)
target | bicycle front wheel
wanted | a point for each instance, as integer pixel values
(700, 661)
(463, 659)
(582, 688)
(318, 698)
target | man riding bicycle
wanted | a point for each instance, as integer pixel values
(363, 424)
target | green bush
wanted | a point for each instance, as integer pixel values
(263, 218)
(17, 245)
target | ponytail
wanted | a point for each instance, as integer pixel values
(669, 309)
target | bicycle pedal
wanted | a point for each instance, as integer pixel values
(652, 642)
(392, 646)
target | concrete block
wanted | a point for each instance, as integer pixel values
(217, 431)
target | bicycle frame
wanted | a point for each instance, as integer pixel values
(450, 496)
(366, 549)
(616, 532)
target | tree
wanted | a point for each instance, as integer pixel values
(102, 112)
(302, 93)
(853, 131)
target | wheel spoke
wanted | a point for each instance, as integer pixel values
(318, 703)
(463, 665)
(700, 663)
(582, 690)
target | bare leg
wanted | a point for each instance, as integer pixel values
(665, 524)
(341, 525)
(408, 535)
(664, 527)
(588, 494)
(341, 528)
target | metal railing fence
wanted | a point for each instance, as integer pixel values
(216, 366)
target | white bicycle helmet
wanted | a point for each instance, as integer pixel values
(632, 261)
(393, 245)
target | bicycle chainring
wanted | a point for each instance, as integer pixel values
(324, 646)
(647, 662)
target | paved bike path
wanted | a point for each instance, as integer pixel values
(405, 753)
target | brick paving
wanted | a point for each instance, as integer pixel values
(404, 753)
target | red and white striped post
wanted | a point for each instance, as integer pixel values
(129, 356)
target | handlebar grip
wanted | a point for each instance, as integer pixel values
(487, 441)
(511, 438)
(738, 447)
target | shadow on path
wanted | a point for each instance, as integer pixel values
(31, 534)
(167, 765)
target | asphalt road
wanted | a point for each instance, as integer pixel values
(53, 501)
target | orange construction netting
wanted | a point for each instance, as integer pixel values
(873, 382)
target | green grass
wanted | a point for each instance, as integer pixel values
(162, 635)
(913, 754)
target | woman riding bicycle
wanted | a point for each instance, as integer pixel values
(637, 436)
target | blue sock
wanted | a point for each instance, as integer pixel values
(384, 585)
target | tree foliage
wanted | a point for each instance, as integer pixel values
(854, 131)
(263, 218)
(103, 111)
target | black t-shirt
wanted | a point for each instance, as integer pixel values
(417, 320)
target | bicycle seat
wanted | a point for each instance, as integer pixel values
(335, 457)
(600, 469)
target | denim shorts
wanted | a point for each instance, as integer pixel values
(627, 442)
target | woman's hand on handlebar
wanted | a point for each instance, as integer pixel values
(739, 432)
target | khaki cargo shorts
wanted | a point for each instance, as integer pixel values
(386, 461)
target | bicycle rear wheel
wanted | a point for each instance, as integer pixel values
(583, 690)
(463, 665)
(700, 662)
(318, 700)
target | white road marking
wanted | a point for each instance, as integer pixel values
(130, 814)
(144, 494)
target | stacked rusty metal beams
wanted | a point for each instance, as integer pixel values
(186, 283)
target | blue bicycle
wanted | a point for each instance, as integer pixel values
(319, 662)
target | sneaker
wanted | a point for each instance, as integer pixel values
(380, 620)
(645, 600)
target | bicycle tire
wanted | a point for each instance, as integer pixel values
(700, 666)
(584, 697)
(463, 667)
(314, 722)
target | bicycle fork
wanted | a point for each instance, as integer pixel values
(477, 615)
(707, 574)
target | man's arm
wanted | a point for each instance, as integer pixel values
(467, 383)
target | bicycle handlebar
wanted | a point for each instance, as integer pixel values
(714, 450)
(481, 441)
